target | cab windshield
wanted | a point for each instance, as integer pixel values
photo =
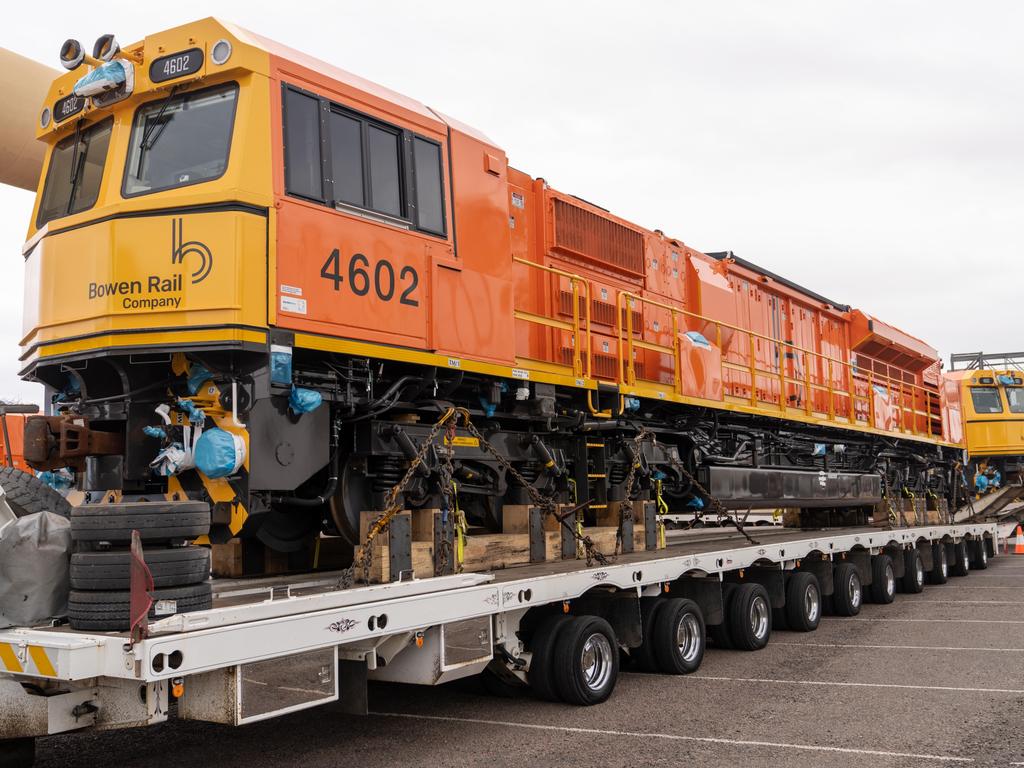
(75, 172)
(986, 400)
(1015, 398)
(180, 140)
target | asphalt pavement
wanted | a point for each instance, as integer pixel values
(933, 679)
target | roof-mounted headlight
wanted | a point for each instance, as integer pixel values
(105, 48)
(71, 54)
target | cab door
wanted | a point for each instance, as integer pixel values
(362, 215)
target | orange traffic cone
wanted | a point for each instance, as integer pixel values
(1018, 545)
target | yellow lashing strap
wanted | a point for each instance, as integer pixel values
(662, 510)
(461, 528)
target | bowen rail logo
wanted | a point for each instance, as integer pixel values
(161, 291)
(180, 249)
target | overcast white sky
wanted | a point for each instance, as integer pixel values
(872, 151)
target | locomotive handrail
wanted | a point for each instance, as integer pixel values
(575, 280)
(628, 344)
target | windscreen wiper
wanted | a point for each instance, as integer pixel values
(152, 133)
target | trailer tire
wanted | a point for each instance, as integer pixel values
(541, 672)
(849, 592)
(644, 655)
(803, 602)
(155, 521)
(108, 611)
(27, 494)
(750, 617)
(719, 633)
(171, 567)
(939, 573)
(883, 580)
(586, 661)
(679, 637)
(978, 555)
(913, 573)
(960, 559)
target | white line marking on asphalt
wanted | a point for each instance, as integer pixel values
(675, 737)
(899, 647)
(932, 621)
(966, 602)
(773, 681)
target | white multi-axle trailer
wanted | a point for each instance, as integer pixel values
(277, 645)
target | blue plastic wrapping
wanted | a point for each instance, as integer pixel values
(197, 374)
(695, 503)
(280, 365)
(58, 479)
(159, 432)
(698, 339)
(819, 449)
(195, 413)
(218, 453)
(304, 400)
(980, 483)
(631, 404)
(1005, 380)
(104, 78)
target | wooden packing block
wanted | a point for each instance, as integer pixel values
(494, 551)
(515, 518)
(380, 554)
(913, 511)
(237, 558)
(791, 517)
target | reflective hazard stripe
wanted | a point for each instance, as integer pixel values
(9, 658)
(40, 659)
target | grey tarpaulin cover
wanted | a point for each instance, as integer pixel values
(35, 551)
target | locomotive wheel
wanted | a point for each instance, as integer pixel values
(353, 496)
(288, 528)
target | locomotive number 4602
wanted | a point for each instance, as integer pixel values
(382, 280)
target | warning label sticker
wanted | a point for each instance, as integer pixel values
(289, 304)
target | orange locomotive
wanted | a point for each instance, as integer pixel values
(378, 262)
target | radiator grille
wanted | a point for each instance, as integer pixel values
(590, 236)
(601, 312)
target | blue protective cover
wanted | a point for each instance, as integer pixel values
(104, 78)
(698, 338)
(304, 400)
(215, 453)
(195, 413)
(149, 431)
(281, 366)
(197, 374)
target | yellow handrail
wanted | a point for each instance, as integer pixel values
(575, 281)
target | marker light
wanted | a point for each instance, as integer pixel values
(221, 52)
(71, 54)
(44, 118)
(105, 48)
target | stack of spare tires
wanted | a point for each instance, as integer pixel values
(101, 565)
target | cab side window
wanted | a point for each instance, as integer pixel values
(1015, 398)
(348, 160)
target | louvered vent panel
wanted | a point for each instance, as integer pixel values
(593, 237)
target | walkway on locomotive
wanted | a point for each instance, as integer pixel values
(362, 222)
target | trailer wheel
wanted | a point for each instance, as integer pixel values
(171, 567)
(108, 611)
(960, 559)
(750, 617)
(978, 555)
(803, 602)
(719, 633)
(913, 573)
(18, 753)
(644, 655)
(679, 637)
(883, 580)
(849, 594)
(586, 662)
(154, 520)
(940, 564)
(541, 673)
(990, 546)
(27, 494)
